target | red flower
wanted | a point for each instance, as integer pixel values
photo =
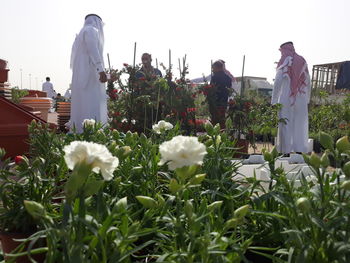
(18, 159)
(247, 105)
(142, 78)
(183, 114)
(194, 95)
(205, 93)
(117, 113)
(125, 64)
(191, 109)
(200, 121)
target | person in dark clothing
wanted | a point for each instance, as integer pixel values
(147, 70)
(222, 83)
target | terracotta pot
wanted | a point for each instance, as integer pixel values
(9, 244)
(38, 104)
(4, 75)
(242, 145)
(36, 99)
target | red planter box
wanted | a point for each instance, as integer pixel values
(3, 64)
(4, 75)
(14, 121)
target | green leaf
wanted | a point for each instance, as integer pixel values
(268, 214)
(147, 201)
(76, 180)
(122, 204)
(174, 186)
(132, 251)
(326, 141)
(92, 186)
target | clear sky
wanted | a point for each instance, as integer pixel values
(37, 35)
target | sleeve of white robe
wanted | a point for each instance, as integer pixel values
(277, 86)
(92, 44)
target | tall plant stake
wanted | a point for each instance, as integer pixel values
(242, 81)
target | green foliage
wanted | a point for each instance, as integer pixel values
(17, 94)
(205, 213)
(138, 103)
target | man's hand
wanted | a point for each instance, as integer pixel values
(103, 77)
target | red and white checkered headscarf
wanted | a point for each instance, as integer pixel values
(295, 71)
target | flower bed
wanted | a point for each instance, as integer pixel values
(106, 196)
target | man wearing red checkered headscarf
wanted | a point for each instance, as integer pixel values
(292, 89)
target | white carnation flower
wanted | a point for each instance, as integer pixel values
(89, 122)
(125, 120)
(93, 154)
(182, 151)
(162, 126)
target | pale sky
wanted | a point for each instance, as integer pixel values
(37, 35)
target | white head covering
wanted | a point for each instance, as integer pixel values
(91, 20)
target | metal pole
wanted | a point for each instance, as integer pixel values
(169, 60)
(30, 81)
(21, 79)
(242, 80)
(134, 54)
(109, 62)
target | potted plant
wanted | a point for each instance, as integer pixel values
(21, 180)
(17, 93)
(241, 122)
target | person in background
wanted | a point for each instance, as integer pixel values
(67, 94)
(222, 83)
(234, 86)
(88, 90)
(292, 89)
(59, 98)
(147, 70)
(48, 88)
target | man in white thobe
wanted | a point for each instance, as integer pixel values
(67, 94)
(292, 90)
(88, 92)
(48, 88)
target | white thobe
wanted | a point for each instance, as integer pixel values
(67, 95)
(48, 88)
(88, 94)
(293, 135)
